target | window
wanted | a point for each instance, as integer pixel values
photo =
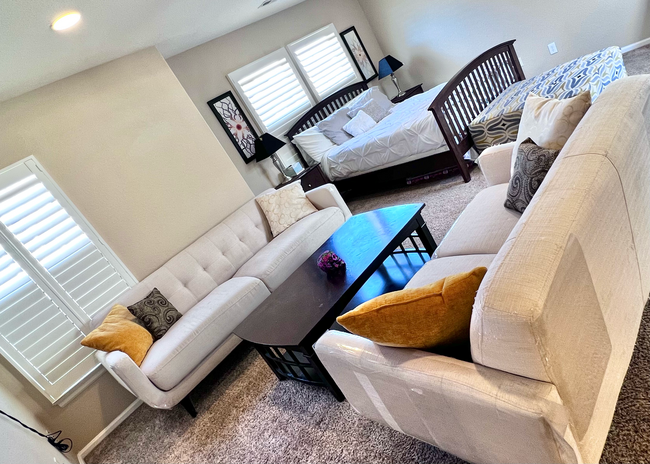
(272, 89)
(55, 274)
(324, 62)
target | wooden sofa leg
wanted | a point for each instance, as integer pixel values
(189, 405)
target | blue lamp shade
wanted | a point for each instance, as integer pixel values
(388, 66)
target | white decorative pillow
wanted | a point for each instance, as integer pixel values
(372, 109)
(313, 143)
(549, 122)
(284, 207)
(359, 124)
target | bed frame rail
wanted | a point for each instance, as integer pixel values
(470, 91)
(326, 107)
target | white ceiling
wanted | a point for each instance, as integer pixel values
(33, 55)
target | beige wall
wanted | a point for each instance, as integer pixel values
(436, 38)
(17, 444)
(202, 70)
(127, 146)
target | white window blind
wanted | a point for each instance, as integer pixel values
(55, 274)
(324, 62)
(273, 91)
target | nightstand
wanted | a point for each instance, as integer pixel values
(409, 93)
(310, 178)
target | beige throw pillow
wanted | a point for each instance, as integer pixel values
(285, 207)
(550, 122)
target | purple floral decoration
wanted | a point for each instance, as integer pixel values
(330, 263)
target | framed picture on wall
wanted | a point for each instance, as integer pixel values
(359, 53)
(236, 124)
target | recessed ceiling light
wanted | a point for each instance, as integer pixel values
(66, 21)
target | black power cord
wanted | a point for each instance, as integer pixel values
(62, 445)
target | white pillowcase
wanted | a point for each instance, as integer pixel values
(549, 121)
(313, 143)
(373, 93)
(359, 124)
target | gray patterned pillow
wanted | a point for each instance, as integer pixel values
(531, 166)
(372, 109)
(156, 313)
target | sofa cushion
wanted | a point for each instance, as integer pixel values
(440, 268)
(156, 313)
(483, 227)
(277, 260)
(201, 330)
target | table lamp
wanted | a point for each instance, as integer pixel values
(267, 146)
(389, 65)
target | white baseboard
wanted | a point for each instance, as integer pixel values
(635, 45)
(81, 455)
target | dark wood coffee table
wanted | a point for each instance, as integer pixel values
(286, 325)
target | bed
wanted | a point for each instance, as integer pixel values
(431, 133)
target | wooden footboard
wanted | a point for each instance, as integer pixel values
(470, 91)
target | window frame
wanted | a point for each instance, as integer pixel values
(236, 76)
(322, 32)
(48, 284)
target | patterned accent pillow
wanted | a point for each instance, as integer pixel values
(284, 207)
(531, 166)
(156, 312)
(372, 109)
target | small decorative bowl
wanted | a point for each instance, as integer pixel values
(331, 263)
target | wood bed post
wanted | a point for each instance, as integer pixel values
(469, 92)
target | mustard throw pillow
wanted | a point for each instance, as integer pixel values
(435, 315)
(120, 331)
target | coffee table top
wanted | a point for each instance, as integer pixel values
(309, 301)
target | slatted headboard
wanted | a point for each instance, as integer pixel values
(326, 107)
(470, 91)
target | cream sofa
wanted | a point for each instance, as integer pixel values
(556, 317)
(215, 283)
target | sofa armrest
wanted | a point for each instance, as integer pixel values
(495, 163)
(326, 196)
(131, 377)
(475, 412)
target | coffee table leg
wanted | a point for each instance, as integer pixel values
(328, 382)
(423, 232)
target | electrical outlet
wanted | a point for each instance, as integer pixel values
(552, 49)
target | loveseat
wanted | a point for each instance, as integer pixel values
(556, 317)
(215, 283)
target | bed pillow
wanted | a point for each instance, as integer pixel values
(372, 109)
(360, 124)
(313, 143)
(549, 121)
(373, 93)
(332, 126)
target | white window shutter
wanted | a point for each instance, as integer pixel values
(55, 274)
(324, 62)
(273, 91)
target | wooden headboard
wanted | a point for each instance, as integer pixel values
(470, 91)
(326, 107)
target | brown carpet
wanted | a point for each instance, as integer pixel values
(247, 416)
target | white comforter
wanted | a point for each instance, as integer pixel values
(410, 129)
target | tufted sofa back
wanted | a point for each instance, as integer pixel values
(212, 259)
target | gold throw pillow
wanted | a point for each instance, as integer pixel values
(427, 317)
(120, 331)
